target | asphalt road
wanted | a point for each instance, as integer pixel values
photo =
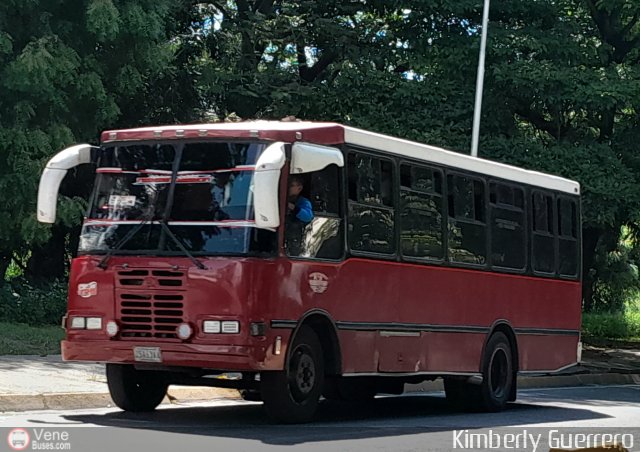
(400, 423)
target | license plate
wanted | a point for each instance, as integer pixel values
(147, 354)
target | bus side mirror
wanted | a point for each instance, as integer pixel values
(52, 176)
(266, 180)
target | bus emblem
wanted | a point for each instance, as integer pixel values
(88, 290)
(318, 282)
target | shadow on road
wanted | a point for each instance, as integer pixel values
(383, 417)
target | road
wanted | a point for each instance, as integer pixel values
(402, 423)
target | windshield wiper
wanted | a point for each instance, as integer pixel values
(129, 235)
(123, 241)
(169, 207)
(177, 241)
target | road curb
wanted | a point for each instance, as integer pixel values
(181, 394)
(83, 400)
(552, 381)
(555, 381)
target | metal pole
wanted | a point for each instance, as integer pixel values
(480, 81)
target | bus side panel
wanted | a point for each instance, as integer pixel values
(454, 352)
(444, 313)
(546, 353)
(358, 351)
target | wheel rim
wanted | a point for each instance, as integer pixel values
(302, 373)
(499, 373)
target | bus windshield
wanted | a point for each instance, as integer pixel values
(209, 208)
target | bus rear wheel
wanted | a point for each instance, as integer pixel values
(134, 390)
(497, 374)
(458, 392)
(291, 395)
(497, 380)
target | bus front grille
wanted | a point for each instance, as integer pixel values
(150, 315)
(145, 279)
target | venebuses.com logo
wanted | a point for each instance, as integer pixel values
(39, 439)
(18, 439)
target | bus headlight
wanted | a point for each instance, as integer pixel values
(211, 326)
(184, 331)
(94, 323)
(78, 323)
(224, 327)
(231, 327)
(112, 328)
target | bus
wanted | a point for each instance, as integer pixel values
(418, 263)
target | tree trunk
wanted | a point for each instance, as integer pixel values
(5, 261)
(590, 239)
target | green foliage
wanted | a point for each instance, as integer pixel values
(561, 94)
(21, 339)
(611, 325)
(69, 70)
(562, 90)
(616, 275)
(21, 302)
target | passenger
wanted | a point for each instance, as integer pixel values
(299, 215)
(299, 207)
(221, 195)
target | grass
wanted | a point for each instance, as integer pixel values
(20, 339)
(617, 326)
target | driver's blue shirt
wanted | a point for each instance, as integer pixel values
(303, 210)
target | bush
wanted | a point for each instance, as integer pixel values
(22, 302)
(625, 325)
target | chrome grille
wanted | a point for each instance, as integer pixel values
(148, 305)
(157, 278)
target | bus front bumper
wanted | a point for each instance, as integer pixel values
(223, 357)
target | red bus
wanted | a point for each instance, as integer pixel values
(194, 267)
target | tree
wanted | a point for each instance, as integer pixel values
(561, 92)
(67, 71)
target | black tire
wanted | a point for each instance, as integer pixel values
(134, 390)
(250, 395)
(291, 395)
(350, 389)
(457, 392)
(497, 375)
(497, 380)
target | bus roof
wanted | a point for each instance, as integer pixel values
(328, 133)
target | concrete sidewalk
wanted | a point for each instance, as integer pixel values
(36, 383)
(30, 382)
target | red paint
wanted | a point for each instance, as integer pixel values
(357, 291)
(320, 133)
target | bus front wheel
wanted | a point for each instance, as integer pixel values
(292, 395)
(134, 390)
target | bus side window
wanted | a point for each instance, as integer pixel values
(508, 244)
(543, 240)
(420, 216)
(371, 214)
(567, 237)
(467, 239)
(322, 237)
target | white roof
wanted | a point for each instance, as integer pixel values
(452, 159)
(391, 145)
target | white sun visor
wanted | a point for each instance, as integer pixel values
(307, 157)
